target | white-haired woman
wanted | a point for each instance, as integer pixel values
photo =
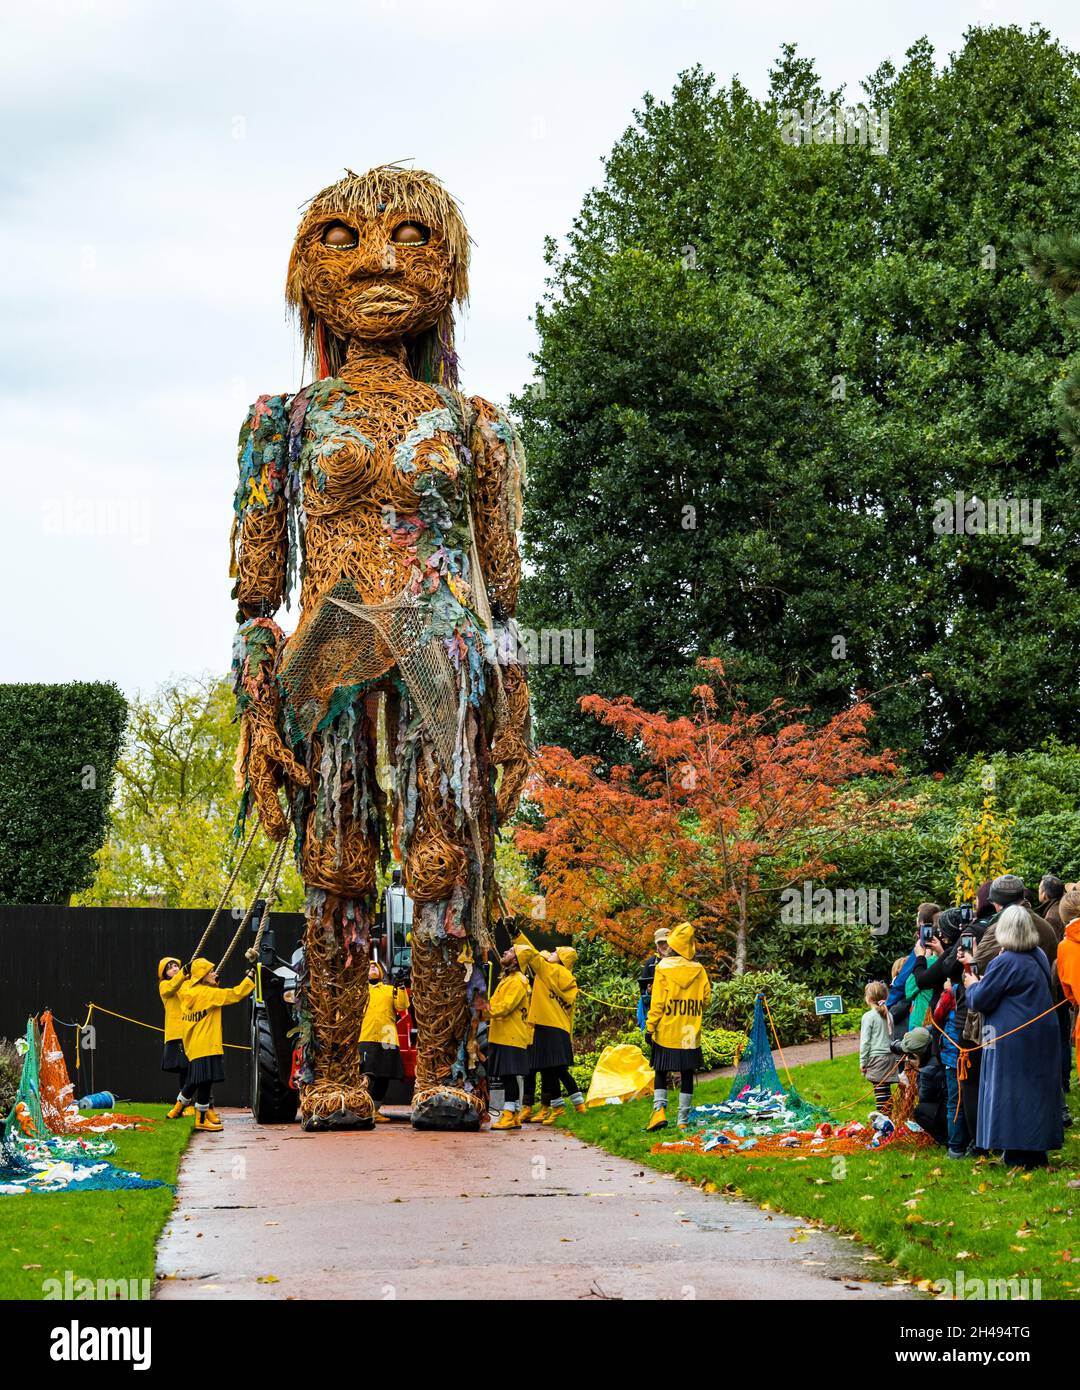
(1020, 1086)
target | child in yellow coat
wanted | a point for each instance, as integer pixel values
(173, 1058)
(201, 1001)
(551, 1012)
(681, 989)
(509, 1035)
(380, 1050)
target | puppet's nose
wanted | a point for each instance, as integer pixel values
(374, 257)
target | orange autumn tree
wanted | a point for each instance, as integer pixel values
(724, 810)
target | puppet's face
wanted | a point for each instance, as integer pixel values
(385, 276)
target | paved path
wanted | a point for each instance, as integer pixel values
(798, 1055)
(269, 1212)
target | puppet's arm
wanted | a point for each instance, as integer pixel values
(498, 464)
(260, 551)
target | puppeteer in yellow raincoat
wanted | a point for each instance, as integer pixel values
(680, 992)
(380, 1050)
(201, 1002)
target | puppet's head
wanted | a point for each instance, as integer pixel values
(382, 257)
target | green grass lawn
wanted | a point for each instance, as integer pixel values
(95, 1235)
(926, 1216)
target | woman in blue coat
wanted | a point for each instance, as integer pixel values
(1020, 1086)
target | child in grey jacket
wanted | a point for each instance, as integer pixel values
(876, 1061)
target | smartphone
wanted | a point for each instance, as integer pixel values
(926, 935)
(967, 942)
(967, 914)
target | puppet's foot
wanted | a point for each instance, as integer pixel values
(329, 1105)
(445, 1107)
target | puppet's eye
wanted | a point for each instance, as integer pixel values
(410, 234)
(339, 236)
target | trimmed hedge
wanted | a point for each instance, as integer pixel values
(58, 750)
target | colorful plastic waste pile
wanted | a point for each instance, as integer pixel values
(34, 1160)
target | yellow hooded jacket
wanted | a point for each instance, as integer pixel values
(384, 1003)
(681, 989)
(170, 997)
(554, 990)
(508, 1010)
(201, 1006)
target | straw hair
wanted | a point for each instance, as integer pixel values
(1015, 930)
(374, 203)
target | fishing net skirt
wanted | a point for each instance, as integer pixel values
(174, 1058)
(676, 1058)
(504, 1060)
(551, 1047)
(204, 1069)
(376, 1060)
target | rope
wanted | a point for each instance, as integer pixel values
(776, 1039)
(962, 1060)
(629, 1008)
(276, 860)
(225, 895)
(153, 1027)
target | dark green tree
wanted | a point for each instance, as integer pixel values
(763, 364)
(58, 750)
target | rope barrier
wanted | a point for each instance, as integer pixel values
(153, 1027)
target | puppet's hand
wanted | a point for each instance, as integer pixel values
(268, 764)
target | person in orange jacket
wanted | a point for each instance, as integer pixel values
(202, 999)
(1068, 959)
(173, 1058)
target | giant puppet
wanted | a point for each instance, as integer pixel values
(394, 721)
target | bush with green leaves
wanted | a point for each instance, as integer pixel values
(790, 1003)
(828, 957)
(10, 1072)
(605, 974)
(58, 750)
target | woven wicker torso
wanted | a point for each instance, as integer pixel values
(365, 518)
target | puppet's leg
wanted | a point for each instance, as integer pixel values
(338, 865)
(442, 876)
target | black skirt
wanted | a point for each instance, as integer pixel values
(676, 1058)
(504, 1060)
(551, 1047)
(173, 1058)
(204, 1069)
(376, 1060)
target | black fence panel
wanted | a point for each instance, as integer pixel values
(64, 958)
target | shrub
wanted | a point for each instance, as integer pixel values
(10, 1072)
(831, 957)
(59, 748)
(791, 1005)
(721, 1048)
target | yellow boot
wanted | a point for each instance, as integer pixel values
(581, 1107)
(213, 1116)
(204, 1122)
(178, 1109)
(189, 1110)
(541, 1115)
(507, 1120)
(525, 1115)
(552, 1115)
(658, 1120)
(380, 1118)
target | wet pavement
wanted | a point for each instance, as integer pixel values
(269, 1212)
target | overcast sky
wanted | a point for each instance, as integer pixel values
(155, 157)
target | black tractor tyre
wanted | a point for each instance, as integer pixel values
(273, 1101)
